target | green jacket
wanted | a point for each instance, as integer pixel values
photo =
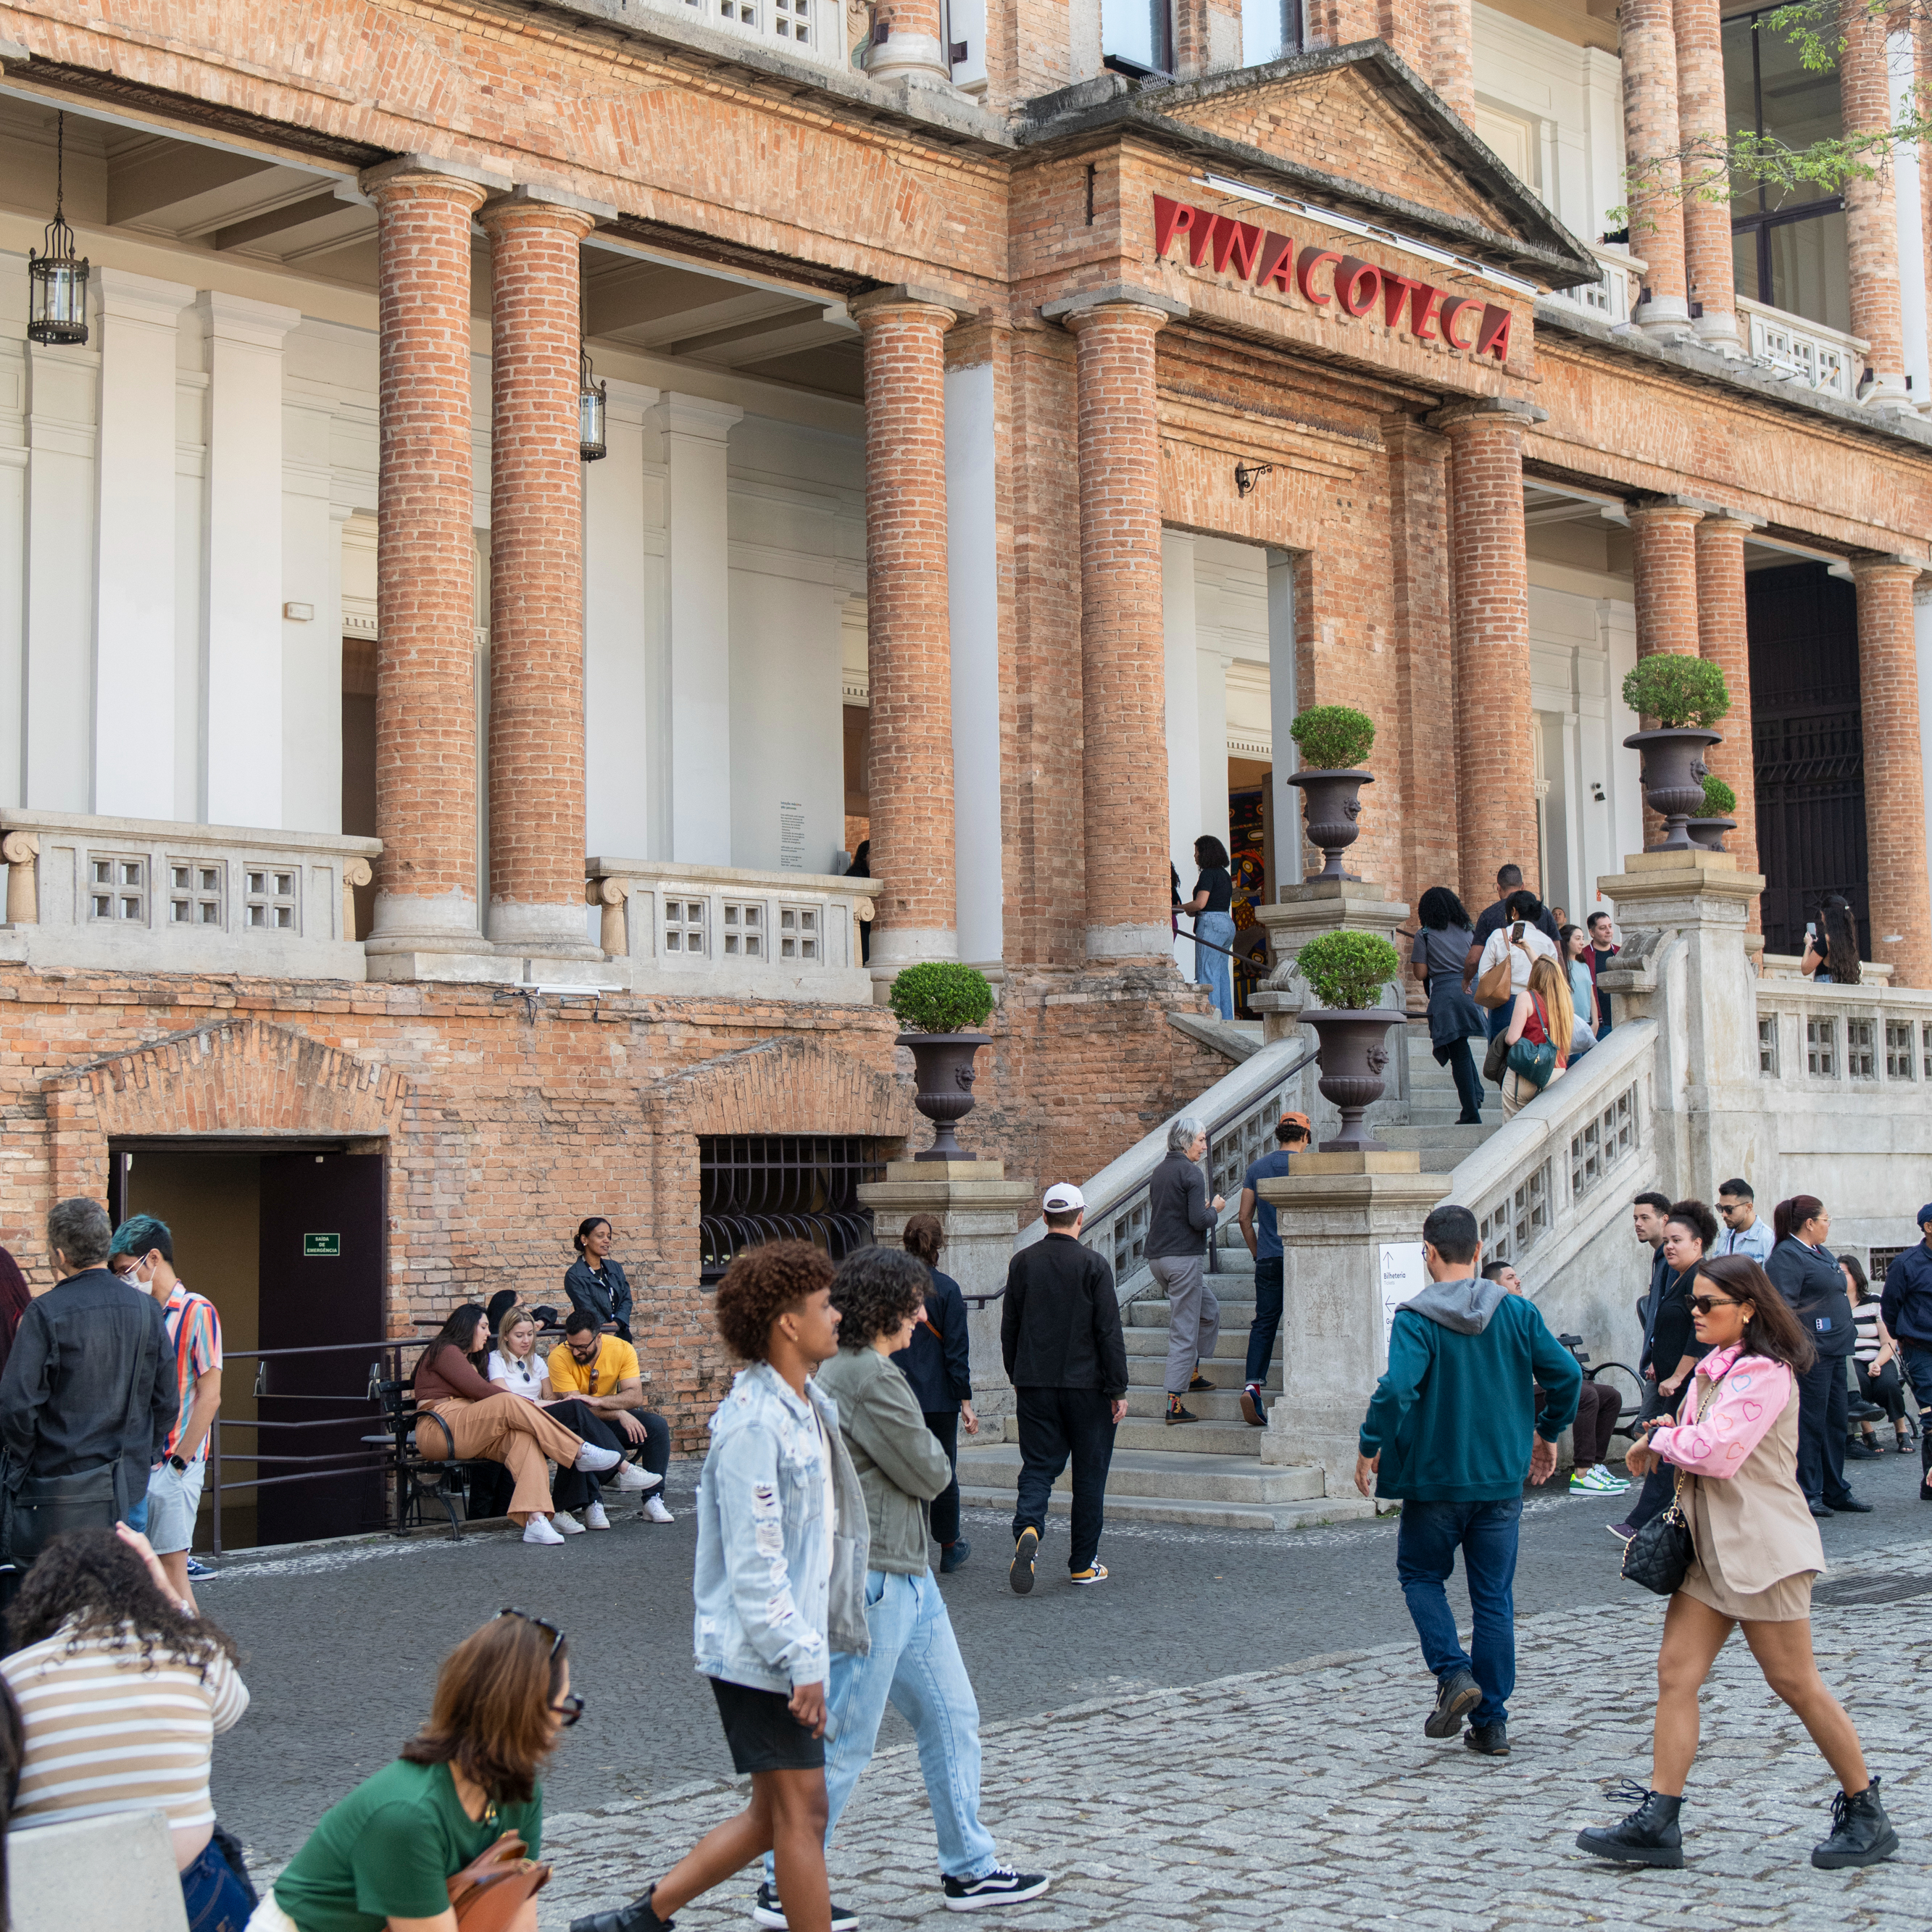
(901, 1465)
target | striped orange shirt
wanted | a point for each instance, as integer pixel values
(104, 1733)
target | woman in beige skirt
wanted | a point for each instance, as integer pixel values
(1734, 1444)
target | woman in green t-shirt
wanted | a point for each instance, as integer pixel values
(380, 1861)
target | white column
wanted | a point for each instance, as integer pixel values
(972, 604)
(242, 622)
(1285, 801)
(1211, 810)
(63, 393)
(311, 631)
(1182, 691)
(13, 619)
(1908, 204)
(692, 732)
(623, 624)
(134, 582)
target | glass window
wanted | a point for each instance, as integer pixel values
(1139, 31)
(1270, 28)
(1808, 260)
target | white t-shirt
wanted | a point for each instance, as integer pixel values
(1535, 945)
(524, 1377)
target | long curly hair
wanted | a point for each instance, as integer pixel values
(90, 1584)
(874, 1291)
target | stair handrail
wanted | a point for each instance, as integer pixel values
(1241, 1127)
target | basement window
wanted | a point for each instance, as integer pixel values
(756, 1188)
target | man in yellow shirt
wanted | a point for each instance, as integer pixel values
(601, 1372)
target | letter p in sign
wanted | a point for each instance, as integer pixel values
(322, 1247)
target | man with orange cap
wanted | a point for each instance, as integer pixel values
(1263, 1242)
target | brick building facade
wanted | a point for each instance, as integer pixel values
(1072, 425)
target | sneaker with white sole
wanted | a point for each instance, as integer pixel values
(654, 1511)
(633, 1481)
(1597, 1481)
(593, 1461)
(538, 1530)
(565, 1523)
(1002, 1885)
(594, 1517)
(768, 1911)
(1097, 1574)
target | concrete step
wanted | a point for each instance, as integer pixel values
(1173, 1487)
(1148, 1370)
(1237, 1438)
(1148, 1400)
(1146, 1314)
(1230, 1350)
(1446, 1139)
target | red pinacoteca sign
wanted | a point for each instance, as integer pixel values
(1268, 261)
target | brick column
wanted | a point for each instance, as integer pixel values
(1705, 131)
(1122, 686)
(911, 45)
(536, 580)
(1871, 213)
(1663, 546)
(1895, 769)
(1648, 30)
(425, 567)
(1721, 638)
(1452, 66)
(909, 640)
(1495, 761)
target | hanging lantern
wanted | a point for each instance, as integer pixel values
(57, 280)
(590, 400)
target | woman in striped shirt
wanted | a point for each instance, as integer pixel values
(1877, 1354)
(121, 1693)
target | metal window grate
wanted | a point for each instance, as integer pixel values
(1901, 1062)
(1821, 1048)
(1882, 1258)
(1861, 1054)
(755, 1188)
(1767, 1045)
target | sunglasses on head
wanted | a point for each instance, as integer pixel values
(1704, 1304)
(568, 1709)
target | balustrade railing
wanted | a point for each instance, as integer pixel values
(1610, 300)
(1826, 360)
(1851, 1042)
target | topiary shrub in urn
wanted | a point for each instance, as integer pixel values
(942, 1004)
(1332, 740)
(1687, 696)
(1347, 972)
(1720, 802)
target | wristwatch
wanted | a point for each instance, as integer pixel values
(179, 1464)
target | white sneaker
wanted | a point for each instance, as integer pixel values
(563, 1521)
(593, 1461)
(594, 1517)
(634, 1480)
(654, 1511)
(538, 1530)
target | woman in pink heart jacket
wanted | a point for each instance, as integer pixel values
(1756, 1549)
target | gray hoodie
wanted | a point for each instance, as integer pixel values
(1464, 1305)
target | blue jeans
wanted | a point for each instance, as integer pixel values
(213, 1895)
(1267, 1324)
(1425, 1554)
(1216, 970)
(914, 1664)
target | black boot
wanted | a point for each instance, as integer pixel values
(635, 1917)
(1924, 1465)
(1648, 1836)
(1862, 1834)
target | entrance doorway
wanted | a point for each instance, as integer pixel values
(290, 1246)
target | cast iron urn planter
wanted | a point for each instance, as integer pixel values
(1330, 806)
(942, 1065)
(1673, 778)
(1352, 1054)
(1709, 832)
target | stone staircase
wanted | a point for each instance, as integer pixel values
(1208, 1474)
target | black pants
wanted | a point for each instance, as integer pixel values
(1824, 1402)
(1660, 1485)
(1462, 1064)
(1057, 1424)
(573, 1489)
(944, 1424)
(1885, 1389)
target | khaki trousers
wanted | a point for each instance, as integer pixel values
(518, 1434)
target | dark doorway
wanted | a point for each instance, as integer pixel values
(322, 1274)
(1807, 748)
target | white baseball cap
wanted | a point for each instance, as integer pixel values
(1063, 1197)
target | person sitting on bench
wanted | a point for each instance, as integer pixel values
(485, 1423)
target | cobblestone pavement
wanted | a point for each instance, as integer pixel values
(1306, 1795)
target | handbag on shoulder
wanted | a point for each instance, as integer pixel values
(487, 1894)
(1533, 1061)
(1492, 989)
(1660, 1552)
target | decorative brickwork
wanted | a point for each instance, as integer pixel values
(1895, 871)
(1721, 637)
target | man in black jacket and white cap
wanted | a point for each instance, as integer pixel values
(1060, 1336)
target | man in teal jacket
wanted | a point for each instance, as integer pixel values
(1449, 1431)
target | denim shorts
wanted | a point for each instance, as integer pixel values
(761, 1731)
(173, 1497)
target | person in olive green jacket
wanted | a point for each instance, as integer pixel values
(914, 1662)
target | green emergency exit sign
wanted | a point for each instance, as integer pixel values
(322, 1247)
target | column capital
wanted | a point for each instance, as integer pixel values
(541, 194)
(459, 181)
(1123, 297)
(1668, 509)
(135, 297)
(1515, 411)
(904, 299)
(698, 416)
(1719, 520)
(1877, 562)
(236, 319)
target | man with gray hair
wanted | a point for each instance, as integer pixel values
(1179, 1217)
(88, 1396)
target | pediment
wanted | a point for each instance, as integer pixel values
(1352, 129)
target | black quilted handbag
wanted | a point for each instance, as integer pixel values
(1659, 1554)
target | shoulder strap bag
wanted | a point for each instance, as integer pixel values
(1533, 1061)
(487, 1894)
(1660, 1552)
(1492, 989)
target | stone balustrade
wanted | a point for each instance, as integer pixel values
(150, 894)
(1610, 300)
(737, 934)
(1826, 360)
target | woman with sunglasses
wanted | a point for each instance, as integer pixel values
(1735, 1447)
(382, 1859)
